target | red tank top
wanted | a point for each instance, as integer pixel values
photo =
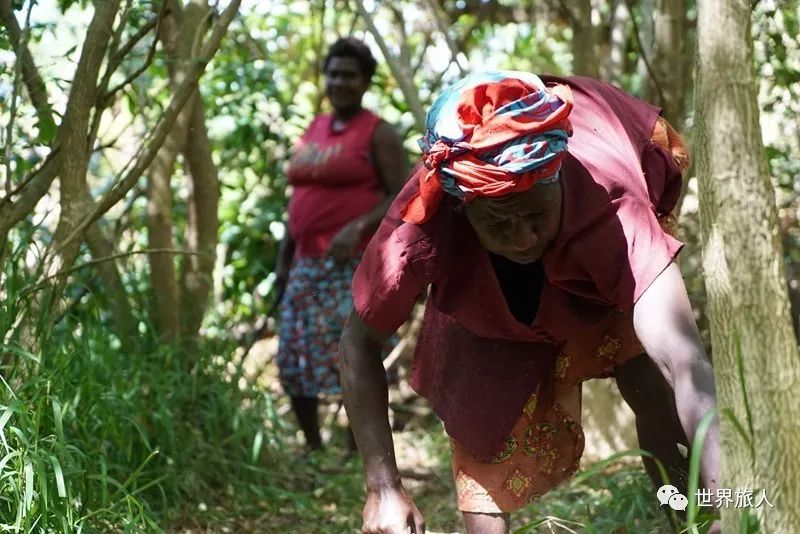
(335, 181)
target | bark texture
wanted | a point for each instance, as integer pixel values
(71, 139)
(165, 305)
(584, 53)
(747, 296)
(670, 61)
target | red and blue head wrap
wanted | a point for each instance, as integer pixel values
(491, 134)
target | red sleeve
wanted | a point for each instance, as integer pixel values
(395, 269)
(626, 250)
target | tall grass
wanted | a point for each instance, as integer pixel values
(94, 439)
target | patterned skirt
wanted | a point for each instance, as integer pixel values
(545, 445)
(313, 312)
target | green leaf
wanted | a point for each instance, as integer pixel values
(60, 485)
(28, 494)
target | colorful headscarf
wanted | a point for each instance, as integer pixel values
(491, 134)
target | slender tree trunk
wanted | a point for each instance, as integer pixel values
(742, 260)
(182, 306)
(159, 234)
(669, 59)
(202, 226)
(166, 307)
(645, 37)
(73, 157)
(125, 324)
(620, 18)
(400, 71)
(584, 41)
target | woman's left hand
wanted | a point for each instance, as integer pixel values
(344, 244)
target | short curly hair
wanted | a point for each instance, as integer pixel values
(350, 47)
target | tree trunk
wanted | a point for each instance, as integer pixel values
(202, 226)
(73, 157)
(125, 324)
(618, 42)
(744, 273)
(669, 61)
(182, 307)
(584, 56)
(164, 306)
(400, 71)
(644, 37)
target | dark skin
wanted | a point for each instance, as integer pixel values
(520, 227)
(345, 88)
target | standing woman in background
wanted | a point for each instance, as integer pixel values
(345, 171)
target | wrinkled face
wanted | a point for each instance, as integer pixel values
(518, 226)
(345, 84)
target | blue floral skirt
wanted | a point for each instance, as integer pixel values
(313, 313)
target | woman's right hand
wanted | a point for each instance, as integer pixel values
(391, 511)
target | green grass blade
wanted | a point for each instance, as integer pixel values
(257, 442)
(28, 495)
(7, 413)
(694, 468)
(727, 413)
(59, 474)
(7, 458)
(58, 420)
(42, 475)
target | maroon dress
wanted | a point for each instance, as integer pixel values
(496, 334)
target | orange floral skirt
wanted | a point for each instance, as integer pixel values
(545, 445)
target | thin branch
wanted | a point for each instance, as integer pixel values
(399, 71)
(144, 157)
(44, 282)
(104, 146)
(199, 33)
(355, 19)
(28, 178)
(104, 96)
(138, 193)
(444, 28)
(567, 12)
(135, 74)
(649, 67)
(100, 102)
(36, 185)
(9, 137)
(14, 94)
(116, 37)
(428, 42)
(131, 43)
(37, 91)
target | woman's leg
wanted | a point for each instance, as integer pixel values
(486, 523)
(305, 408)
(658, 425)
